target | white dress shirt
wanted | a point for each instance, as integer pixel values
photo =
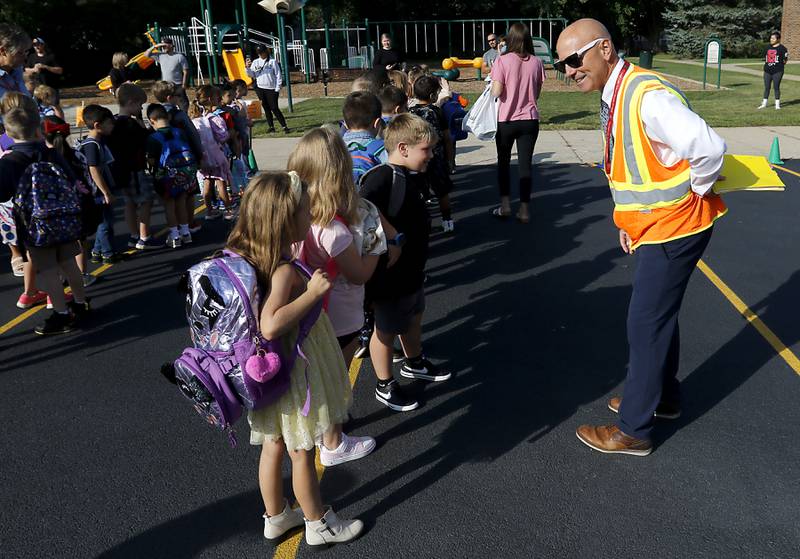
(676, 133)
(267, 73)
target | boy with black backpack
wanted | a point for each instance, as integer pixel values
(396, 287)
(127, 145)
(174, 168)
(48, 216)
(362, 117)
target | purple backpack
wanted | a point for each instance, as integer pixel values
(231, 365)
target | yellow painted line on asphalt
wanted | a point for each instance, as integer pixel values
(784, 352)
(288, 548)
(785, 170)
(100, 269)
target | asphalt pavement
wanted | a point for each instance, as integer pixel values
(103, 458)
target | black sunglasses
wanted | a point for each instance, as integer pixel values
(575, 60)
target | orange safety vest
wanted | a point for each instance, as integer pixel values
(653, 203)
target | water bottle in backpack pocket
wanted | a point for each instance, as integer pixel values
(231, 366)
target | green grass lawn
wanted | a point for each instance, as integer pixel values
(578, 111)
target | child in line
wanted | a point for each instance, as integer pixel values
(396, 287)
(100, 122)
(323, 163)
(20, 266)
(362, 118)
(393, 102)
(242, 121)
(174, 168)
(215, 171)
(275, 213)
(127, 144)
(437, 175)
(399, 79)
(47, 98)
(56, 134)
(23, 126)
(173, 98)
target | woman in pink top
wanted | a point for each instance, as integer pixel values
(517, 77)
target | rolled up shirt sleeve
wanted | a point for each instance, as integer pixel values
(679, 133)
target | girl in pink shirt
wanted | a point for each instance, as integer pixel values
(324, 164)
(517, 77)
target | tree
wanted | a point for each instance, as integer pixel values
(742, 25)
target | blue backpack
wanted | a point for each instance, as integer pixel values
(231, 366)
(365, 157)
(47, 203)
(454, 114)
(176, 165)
(176, 153)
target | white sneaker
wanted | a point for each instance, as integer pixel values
(448, 226)
(763, 105)
(330, 529)
(277, 526)
(351, 448)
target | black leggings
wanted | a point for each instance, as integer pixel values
(775, 81)
(524, 132)
(269, 101)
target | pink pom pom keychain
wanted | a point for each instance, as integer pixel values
(262, 366)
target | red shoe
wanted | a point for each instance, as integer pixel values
(67, 299)
(26, 301)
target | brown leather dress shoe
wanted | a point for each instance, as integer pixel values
(609, 439)
(663, 411)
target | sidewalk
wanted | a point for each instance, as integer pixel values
(736, 68)
(565, 146)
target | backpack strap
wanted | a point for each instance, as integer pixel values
(398, 193)
(306, 324)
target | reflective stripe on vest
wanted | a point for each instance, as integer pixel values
(638, 189)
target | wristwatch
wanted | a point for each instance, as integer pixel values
(399, 240)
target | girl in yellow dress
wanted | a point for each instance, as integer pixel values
(275, 213)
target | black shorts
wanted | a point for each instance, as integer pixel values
(394, 316)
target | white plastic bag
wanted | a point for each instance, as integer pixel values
(481, 119)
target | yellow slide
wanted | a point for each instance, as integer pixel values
(234, 64)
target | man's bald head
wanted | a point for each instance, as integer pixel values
(597, 62)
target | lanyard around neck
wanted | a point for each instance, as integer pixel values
(610, 123)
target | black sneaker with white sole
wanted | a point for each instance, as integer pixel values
(424, 370)
(394, 397)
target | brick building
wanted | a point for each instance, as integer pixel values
(790, 27)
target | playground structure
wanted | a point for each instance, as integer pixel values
(347, 45)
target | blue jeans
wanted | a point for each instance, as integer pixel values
(104, 237)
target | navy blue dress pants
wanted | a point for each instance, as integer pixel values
(660, 280)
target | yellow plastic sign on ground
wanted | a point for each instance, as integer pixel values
(747, 172)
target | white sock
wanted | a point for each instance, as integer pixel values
(777, 103)
(764, 102)
(184, 228)
(173, 233)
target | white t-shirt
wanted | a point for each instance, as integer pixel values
(346, 301)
